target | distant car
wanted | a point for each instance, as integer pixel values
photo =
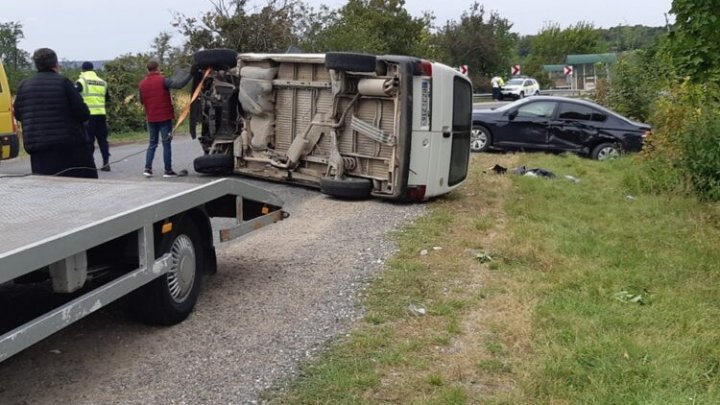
(557, 124)
(520, 88)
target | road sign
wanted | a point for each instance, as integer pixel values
(568, 70)
(463, 69)
(515, 70)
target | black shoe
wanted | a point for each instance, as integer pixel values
(106, 167)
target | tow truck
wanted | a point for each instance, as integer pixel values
(81, 244)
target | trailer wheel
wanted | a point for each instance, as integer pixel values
(354, 62)
(347, 188)
(170, 298)
(218, 163)
(218, 59)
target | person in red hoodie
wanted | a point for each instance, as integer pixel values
(159, 112)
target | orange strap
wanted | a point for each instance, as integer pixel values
(195, 95)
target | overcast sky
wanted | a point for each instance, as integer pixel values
(105, 29)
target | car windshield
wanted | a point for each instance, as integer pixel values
(515, 82)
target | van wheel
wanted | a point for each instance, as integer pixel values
(348, 188)
(218, 163)
(218, 59)
(353, 62)
(170, 298)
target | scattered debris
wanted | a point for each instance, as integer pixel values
(436, 248)
(416, 310)
(574, 180)
(626, 296)
(498, 169)
(483, 257)
(630, 198)
(55, 351)
(423, 252)
(537, 172)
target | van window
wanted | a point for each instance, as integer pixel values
(462, 118)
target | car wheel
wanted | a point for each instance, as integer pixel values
(606, 151)
(537, 93)
(479, 139)
(522, 94)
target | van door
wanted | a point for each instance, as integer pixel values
(450, 128)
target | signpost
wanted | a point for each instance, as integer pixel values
(515, 70)
(568, 70)
(463, 69)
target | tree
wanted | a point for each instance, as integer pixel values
(552, 45)
(695, 38)
(228, 25)
(483, 42)
(17, 61)
(123, 75)
(370, 26)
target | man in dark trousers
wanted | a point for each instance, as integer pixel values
(93, 90)
(52, 114)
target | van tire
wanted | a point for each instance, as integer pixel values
(218, 163)
(351, 188)
(218, 59)
(353, 62)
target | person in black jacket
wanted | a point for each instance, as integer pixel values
(52, 114)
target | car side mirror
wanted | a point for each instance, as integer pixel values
(512, 115)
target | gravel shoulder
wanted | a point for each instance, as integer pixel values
(279, 295)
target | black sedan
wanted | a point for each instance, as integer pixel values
(557, 124)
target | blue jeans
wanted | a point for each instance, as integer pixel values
(163, 129)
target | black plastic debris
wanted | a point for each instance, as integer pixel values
(536, 172)
(498, 169)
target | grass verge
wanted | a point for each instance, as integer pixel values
(543, 291)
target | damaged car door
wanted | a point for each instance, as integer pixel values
(575, 128)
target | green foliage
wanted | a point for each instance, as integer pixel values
(370, 26)
(695, 38)
(481, 40)
(16, 61)
(635, 85)
(124, 112)
(229, 25)
(552, 45)
(683, 155)
(627, 38)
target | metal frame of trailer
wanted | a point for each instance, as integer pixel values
(47, 219)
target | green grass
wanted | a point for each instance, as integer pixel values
(628, 288)
(596, 293)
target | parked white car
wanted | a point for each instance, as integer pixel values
(520, 88)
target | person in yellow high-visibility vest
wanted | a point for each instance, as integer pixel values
(94, 92)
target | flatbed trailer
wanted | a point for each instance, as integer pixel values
(92, 242)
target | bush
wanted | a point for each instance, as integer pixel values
(125, 113)
(683, 154)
